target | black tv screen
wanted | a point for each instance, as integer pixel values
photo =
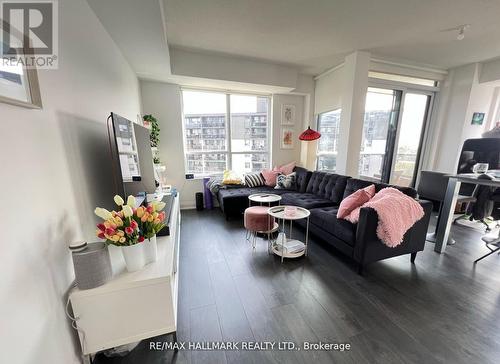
(130, 147)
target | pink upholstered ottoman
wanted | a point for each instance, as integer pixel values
(257, 219)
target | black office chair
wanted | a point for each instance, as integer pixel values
(480, 150)
(432, 186)
(493, 244)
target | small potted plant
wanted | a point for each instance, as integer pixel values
(154, 136)
(150, 220)
(121, 229)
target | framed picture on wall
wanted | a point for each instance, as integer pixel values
(287, 138)
(19, 84)
(477, 118)
(287, 114)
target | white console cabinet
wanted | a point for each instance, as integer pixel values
(132, 306)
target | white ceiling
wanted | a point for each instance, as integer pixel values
(138, 28)
(317, 34)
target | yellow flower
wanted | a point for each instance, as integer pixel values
(115, 237)
(140, 211)
(150, 218)
(127, 211)
(131, 201)
(122, 240)
(157, 221)
(103, 213)
(118, 221)
(145, 217)
(119, 200)
(155, 215)
(120, 233)
(158, 205)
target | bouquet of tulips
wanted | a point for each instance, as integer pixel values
(130, 225)
(150, 218)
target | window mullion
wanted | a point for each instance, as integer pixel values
(229, 163)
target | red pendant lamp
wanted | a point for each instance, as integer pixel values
(309, 135)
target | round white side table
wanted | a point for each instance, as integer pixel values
(291, 248)
(263, 198)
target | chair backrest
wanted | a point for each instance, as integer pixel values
(479, 150)
(432, 185)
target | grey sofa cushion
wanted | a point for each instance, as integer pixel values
(354, 184)
(326, 218)
(305, 200)
(327, 185)
(302, 178)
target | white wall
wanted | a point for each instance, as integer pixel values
(163, 100)
(461, 96)
(230, 68)
(328, 91)
(345, 87)
(490, 71)
(55, 169)
(284, 156)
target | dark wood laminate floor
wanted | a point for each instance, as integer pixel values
(440, 310)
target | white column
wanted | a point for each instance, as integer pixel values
(355, 69)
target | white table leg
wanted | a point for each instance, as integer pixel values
(307, 235)
(443, 229)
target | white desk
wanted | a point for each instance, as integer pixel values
(450, 200)
(134, 305)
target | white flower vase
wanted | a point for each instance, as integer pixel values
(135, 258)
(150, 249)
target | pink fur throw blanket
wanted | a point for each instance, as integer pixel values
(397, 213)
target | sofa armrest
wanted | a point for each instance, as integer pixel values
(369, 248)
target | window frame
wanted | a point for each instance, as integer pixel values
(318, 153)
(228, 152)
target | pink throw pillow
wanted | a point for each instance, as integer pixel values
(355, 200)
(270, 177)
(285, 169)
(353, 217)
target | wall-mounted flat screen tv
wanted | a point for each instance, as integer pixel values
(130, 149)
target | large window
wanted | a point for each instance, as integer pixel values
(328, 126)
(212, 144)
(393, 131)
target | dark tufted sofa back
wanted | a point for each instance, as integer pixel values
(354, 184)
(302, 178)
(327, 185)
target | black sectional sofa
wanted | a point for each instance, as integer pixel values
(321, 193)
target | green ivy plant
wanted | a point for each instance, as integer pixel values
(154, 136)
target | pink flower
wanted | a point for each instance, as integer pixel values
(161, 215)
(101, 227)
(129, 230)
(141, 239)
(133, 224)
(150, 209)
(110, 231)
(101, 236)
